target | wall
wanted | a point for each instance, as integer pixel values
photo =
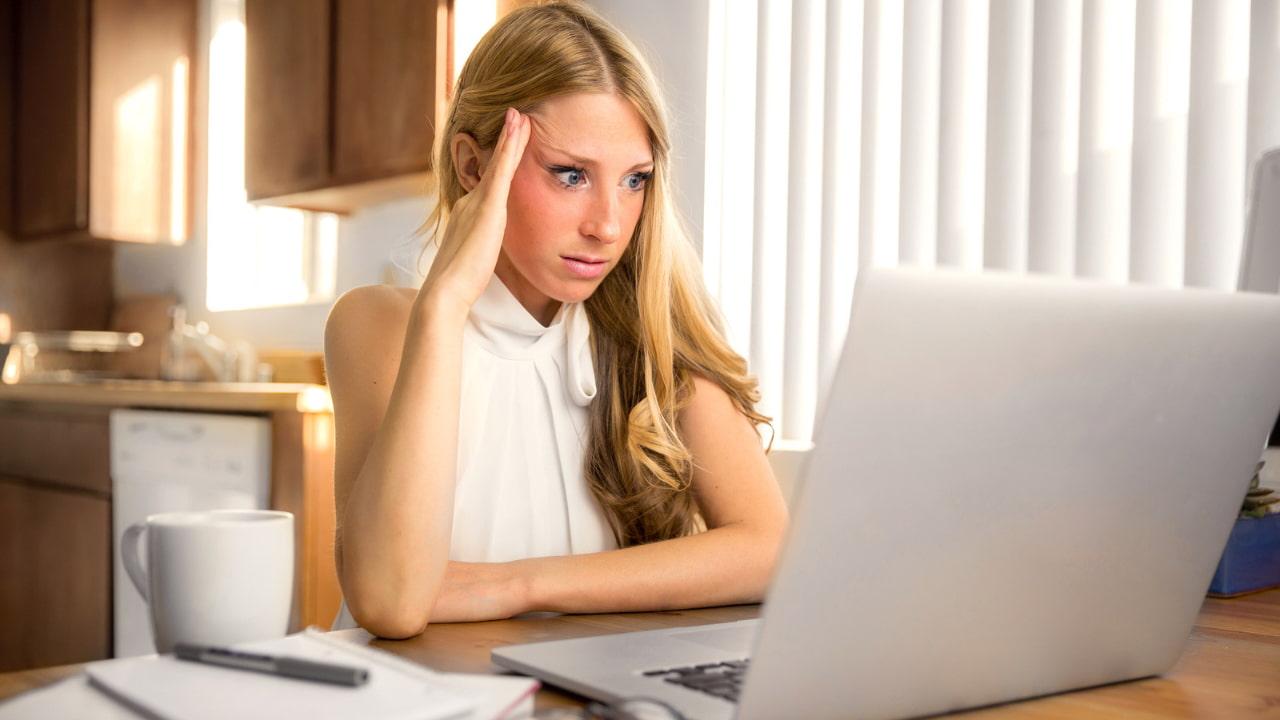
(368, 241)
(671, 33)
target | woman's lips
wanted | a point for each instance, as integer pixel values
(585, 268)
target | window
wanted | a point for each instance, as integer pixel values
(257, 256)
(1107, 139)
(261, 256)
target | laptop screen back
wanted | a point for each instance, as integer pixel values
(1019, 486)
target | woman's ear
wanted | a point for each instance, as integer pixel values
(469, 161)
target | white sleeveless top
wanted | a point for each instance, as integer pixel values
(522, 433)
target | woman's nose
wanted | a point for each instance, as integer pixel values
(602, 221)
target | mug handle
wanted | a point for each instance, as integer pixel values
(129, 554)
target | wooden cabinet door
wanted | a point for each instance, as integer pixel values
(140, 102)
(8, 90)
(55, 558)
(389, 85)
(287, 133)
(342, 98)
(104, 98)
(55, 535)
(65, 447)
(52, 154)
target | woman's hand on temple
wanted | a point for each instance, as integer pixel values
(468, 251)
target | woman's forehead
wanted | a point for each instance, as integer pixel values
(592, 127)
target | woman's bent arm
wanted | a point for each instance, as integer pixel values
(395, 396)
(394, 361)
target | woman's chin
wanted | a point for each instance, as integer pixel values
(577, 290)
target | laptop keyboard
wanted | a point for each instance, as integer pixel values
(722, 679)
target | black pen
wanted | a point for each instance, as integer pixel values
(274, 664)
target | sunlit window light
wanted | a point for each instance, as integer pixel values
(178, 151)
(135, 202)
(257, 256)
(470, 22)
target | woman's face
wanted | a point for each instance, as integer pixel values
(575, 200)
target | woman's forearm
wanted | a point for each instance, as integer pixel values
(724, 566)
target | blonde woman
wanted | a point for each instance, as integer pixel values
(553, 421)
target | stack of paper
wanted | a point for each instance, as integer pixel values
(171, 689)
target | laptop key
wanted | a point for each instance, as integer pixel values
(721, 679)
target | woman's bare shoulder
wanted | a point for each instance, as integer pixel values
(375, 298)
(706, 391)
(367, 322)
(371, 307)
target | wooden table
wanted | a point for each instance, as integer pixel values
(1229, 669)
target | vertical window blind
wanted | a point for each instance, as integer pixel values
(1107, 139)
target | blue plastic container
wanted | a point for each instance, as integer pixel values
(1252, 559)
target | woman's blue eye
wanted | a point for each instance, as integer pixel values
(569, 176)
(637, 181)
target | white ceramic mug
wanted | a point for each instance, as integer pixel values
(217, 577)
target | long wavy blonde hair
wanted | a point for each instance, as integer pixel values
(653, 324)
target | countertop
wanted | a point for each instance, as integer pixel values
(244, 397)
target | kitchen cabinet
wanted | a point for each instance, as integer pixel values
(56, 505)
(7, 37)
(55, 536)
(103, 115)
(342, 99)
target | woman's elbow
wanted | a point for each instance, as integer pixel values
(386, 611)
(391, 623)
(390, 603)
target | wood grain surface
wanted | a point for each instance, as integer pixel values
(1230, 667)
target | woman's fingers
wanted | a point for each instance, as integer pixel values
(506, 157)
(472, 240)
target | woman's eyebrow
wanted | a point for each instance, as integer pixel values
(573, 157)
(585, 161)
(578, 161)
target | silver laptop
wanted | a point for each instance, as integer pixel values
(1019, 486)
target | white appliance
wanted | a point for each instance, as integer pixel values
(164, 461)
